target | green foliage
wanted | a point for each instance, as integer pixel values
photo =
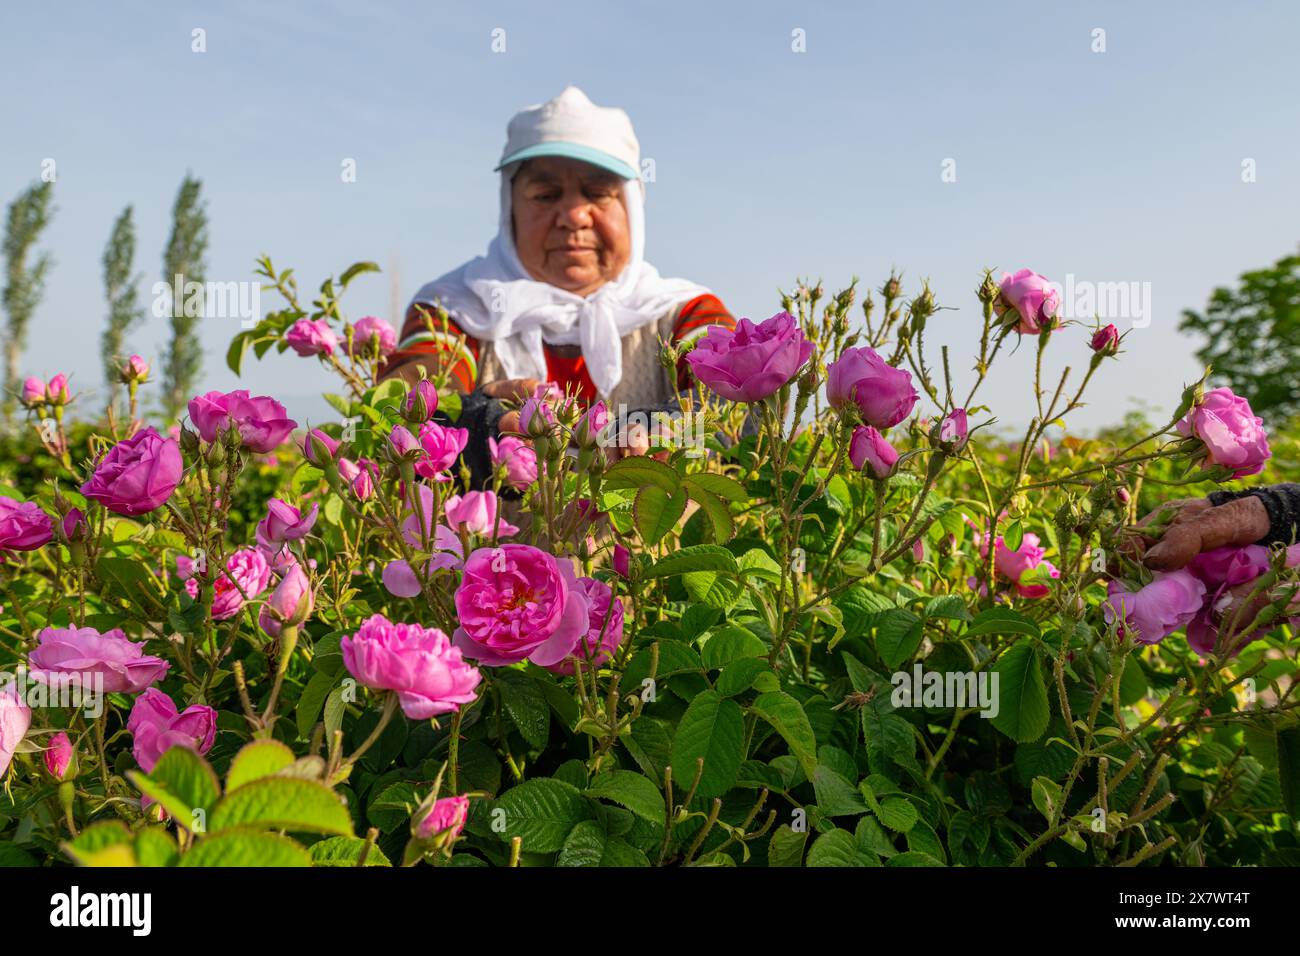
(1252, 337)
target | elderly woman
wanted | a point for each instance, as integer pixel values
(564, 293)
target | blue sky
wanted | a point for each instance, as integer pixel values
(1117, 166)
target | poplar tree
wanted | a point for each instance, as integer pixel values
(28, 216)
(185, 257)
(122, 294)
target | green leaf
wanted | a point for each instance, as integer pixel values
(154, 846)
(1023, 711)
(1013, 535)
(542, 811)
(898, 635)
(839, 848)
(1002, 621)
(182, 782)
(356, 269)
(712, 728)
(261, 758)
(1288, 766)
(283, 803)
(526, 704)
(897, 813)
(102, 844)
(739, 676)
(913, 858)
(728, 489)
(1046, 795)
(630, 790)
(836, 797)
(716, 511)
(238, 346)
(394, 806)
(699, 557)
(712, 588)
(584, 846)
(640, 471)
(950, 606)
(784, 713)
(786, 846)
(312, 700)
(726, 644)
(757, 563)
(656, 512)
(345, 851)
(245, 847)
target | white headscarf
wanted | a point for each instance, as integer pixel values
(492, 298)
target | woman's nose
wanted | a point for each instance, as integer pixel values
(575, 214)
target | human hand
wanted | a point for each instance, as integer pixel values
(1198, 526)
(512, 390)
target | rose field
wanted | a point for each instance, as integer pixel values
(834, 617)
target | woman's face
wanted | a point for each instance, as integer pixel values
(570, 223)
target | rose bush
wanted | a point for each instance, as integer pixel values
(851, 625)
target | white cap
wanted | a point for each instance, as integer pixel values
(573, 126)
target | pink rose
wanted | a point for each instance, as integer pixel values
(15, 718)
(73, 523)
(447, 816)
(371, 332)
(58, 756)
(403, 442)
(476, 512)
(869, 451)
(157, 727)
(284, 522)
(83, 656)
(56, 391)
(953, 430)
(312, 337)
(602, 639)
(290, 603)
(1035, 300)
(441, 446)
(519, 459)
(262, 422)
(536, 417)
(517, 602)
(419, 663)
(421, 401)
(23, 525)
(1014, 565)
(33, 391)
(360, 476)
(1233, 436)
(1105, 340)
(1229, 566)
(884, 394)
(589, 432)
(750, 362)
(318, 447)
(135, 370)
(250, 569)
(1152, 613)
(622, 561)
(137, 475)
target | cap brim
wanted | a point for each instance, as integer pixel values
(586, 154)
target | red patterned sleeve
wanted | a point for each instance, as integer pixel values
(450, 344)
